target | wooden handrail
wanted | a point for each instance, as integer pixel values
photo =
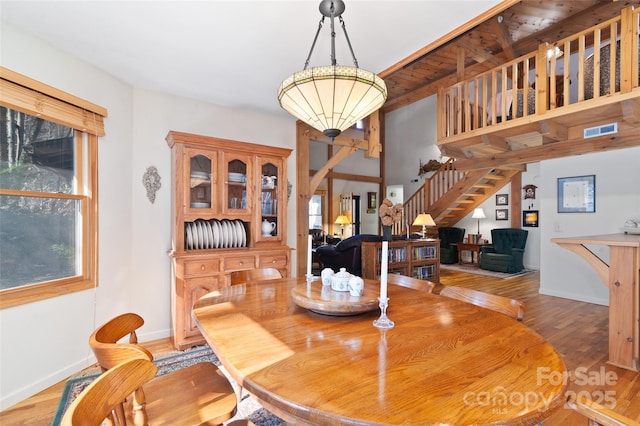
(434, 188)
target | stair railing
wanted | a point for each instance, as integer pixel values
(434, 188)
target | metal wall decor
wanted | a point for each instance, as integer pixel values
(151, 182)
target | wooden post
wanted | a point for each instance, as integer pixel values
(627, 38)
(542, 79)
(516, 200)
(304, 195)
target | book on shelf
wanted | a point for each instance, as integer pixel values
(424, 272)
(394, 255)
(474, 238)
(424, 252)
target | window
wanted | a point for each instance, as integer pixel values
(315, 212)
(48, 188)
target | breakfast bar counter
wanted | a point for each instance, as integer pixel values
(622, 277)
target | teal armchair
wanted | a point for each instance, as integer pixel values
(449, 236)
(506, 254)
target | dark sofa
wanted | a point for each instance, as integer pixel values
(346, 254)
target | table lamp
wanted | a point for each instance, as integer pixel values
(478, 214)
(425, 220)
(342, 220)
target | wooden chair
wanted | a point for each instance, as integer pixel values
(510, 307)
(597, 414)
(97, 401)
(410, 282)
(250, 275)
(197, 394)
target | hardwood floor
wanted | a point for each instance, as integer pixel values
(577, 330)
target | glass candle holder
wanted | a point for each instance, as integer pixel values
(383, 322)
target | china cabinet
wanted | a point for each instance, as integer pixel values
(415, 258)
(228, 214)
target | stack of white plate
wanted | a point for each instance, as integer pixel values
(210, 234)
(237, 177)
(201, 175)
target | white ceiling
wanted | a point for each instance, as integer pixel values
(232, 53)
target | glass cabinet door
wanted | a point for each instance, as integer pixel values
(200, 178)
(270, 223)
(236, 192)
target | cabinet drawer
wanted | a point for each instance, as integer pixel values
(239, 262)
(201, 267)
(277, 260)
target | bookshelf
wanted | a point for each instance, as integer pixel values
(415, 258)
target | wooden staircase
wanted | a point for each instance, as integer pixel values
(449, 195)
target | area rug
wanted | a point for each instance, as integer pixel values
(471, 268)
(248, 408)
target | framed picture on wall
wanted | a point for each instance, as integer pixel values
(502, 199)
(502, 214)
(530, 218)
(577, 194)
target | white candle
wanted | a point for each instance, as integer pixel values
(384, 266)
(309, 255)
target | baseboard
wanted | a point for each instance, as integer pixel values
(573, 296)
(38, 386)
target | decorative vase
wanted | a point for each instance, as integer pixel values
(386, 233)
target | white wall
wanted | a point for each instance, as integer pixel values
(617, 173)
(46, 341)
(410, 136)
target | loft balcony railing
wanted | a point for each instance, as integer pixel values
(555, 76)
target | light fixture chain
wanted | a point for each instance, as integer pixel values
(313, 45)
(333, 40)
(346, 36)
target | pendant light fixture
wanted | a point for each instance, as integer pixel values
(334, 97)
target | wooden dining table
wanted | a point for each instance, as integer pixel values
(444, 361)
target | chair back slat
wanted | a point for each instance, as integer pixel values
(103, 341)
(96, 402)
(510, 307)
(410, 282)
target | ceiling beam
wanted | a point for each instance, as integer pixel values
(503, 37)
(478, 54)
(625, 138)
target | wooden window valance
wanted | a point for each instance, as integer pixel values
(24, 94)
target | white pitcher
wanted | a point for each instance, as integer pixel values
(268, 228)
